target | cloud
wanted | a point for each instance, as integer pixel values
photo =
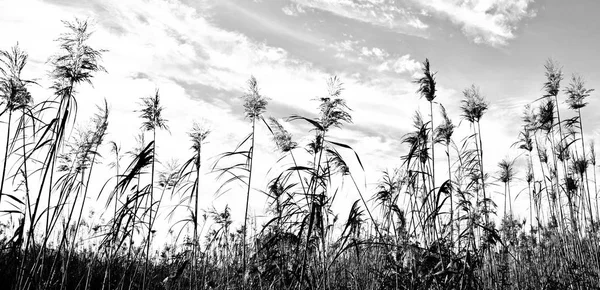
(293, 10)
(417, 23)
(492, 22)
(200, 69)
(273, 24)
(404, 64)
(384, 13)
(288, 11)
(374, 52)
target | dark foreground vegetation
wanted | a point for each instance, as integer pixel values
(429, 225)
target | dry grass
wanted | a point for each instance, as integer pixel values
(421, 229)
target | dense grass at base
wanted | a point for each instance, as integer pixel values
(524, 263)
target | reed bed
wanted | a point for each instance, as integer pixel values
(431, 223)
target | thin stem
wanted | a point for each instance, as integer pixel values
(149, 237)
(5, 154)
(251, 157)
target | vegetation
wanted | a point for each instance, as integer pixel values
(421, 229)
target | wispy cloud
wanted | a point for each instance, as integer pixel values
(384, 13)
(168, 45)
(201, 69)
(492, 22)
(375, 58)
(403, 64)
(293, 9)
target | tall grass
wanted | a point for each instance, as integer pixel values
(420, 228)
(151, 114)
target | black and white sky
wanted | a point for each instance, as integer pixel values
(200, 53)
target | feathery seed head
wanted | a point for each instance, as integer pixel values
(333, 109)
(473, 105)
(282, 138)
(554, 76)
(445, 130)
(576, 93)
(13, 90)
(151, 113)
(507, 170)
(546, 115)
(418, 140)
(78, 61)
(427, 83)
(529, 118)
(255, 104)
(100, 124)
(198, 134)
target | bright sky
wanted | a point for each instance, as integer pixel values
(200, 54)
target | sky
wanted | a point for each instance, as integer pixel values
(200, 53)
